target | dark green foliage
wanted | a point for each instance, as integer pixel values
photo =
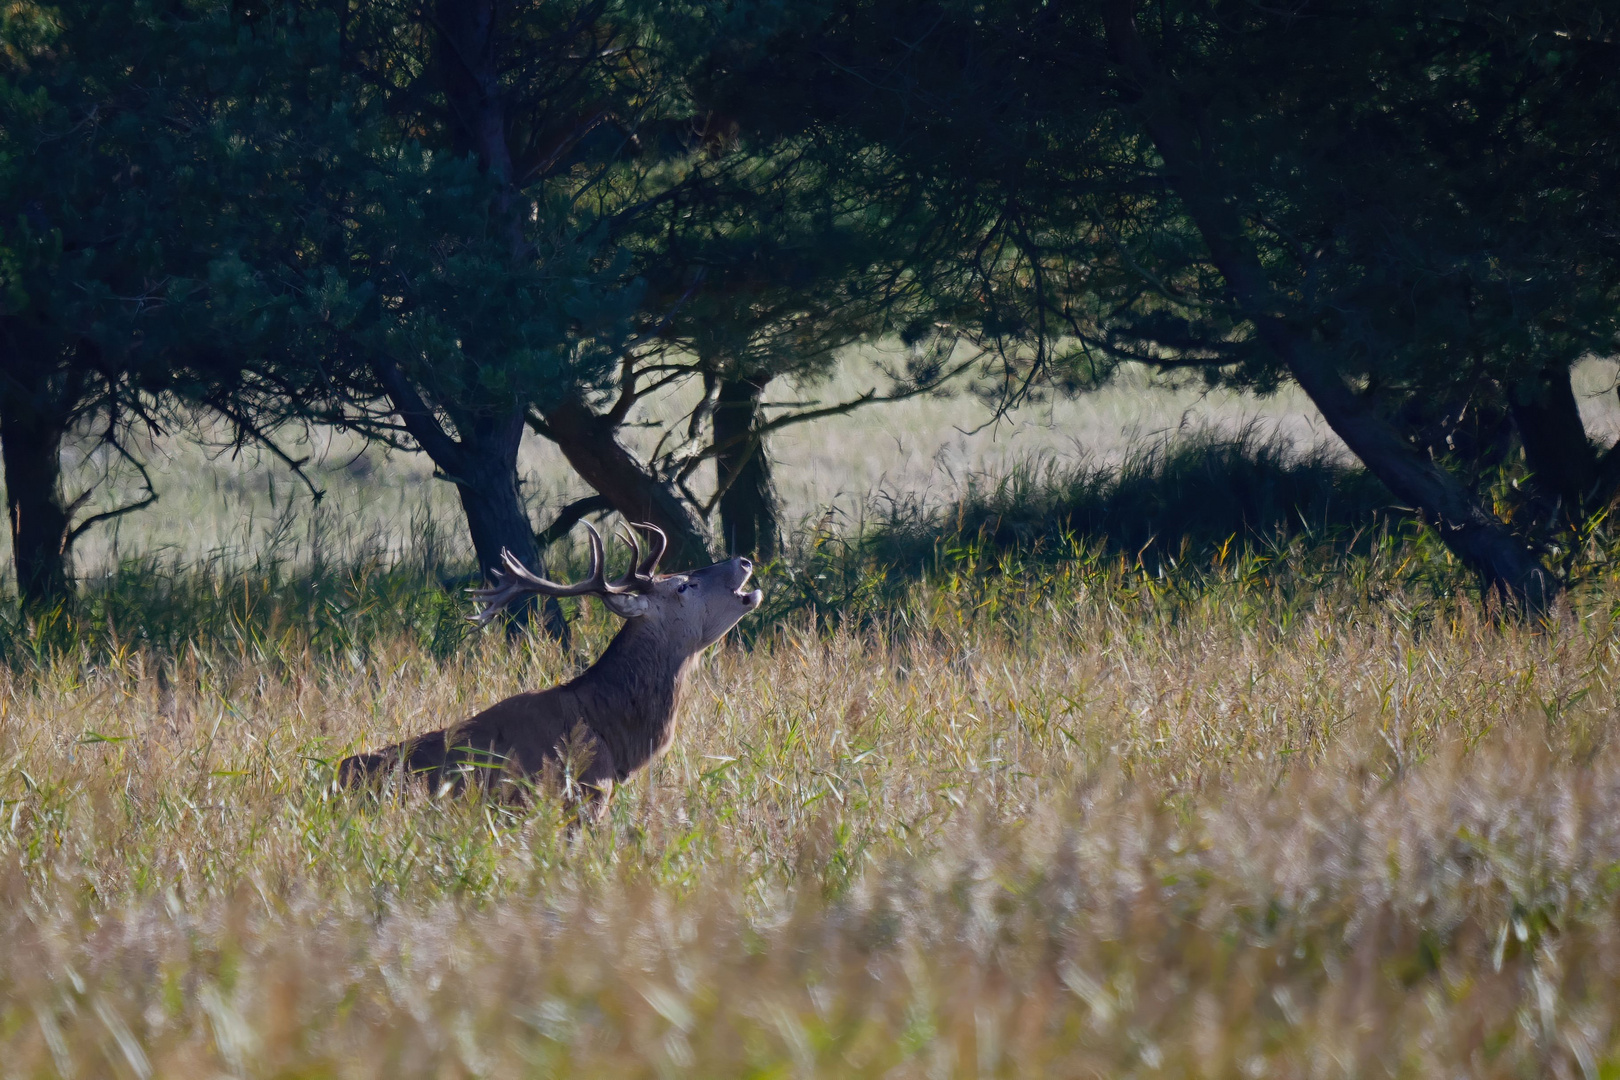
(1404, 209)
(148, 154)
(103, 222)
(447, 261)
(438, 223)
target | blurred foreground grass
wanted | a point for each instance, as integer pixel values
(1252, 810)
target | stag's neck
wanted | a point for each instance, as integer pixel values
(634, 689)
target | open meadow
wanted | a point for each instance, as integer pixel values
(1288, 808)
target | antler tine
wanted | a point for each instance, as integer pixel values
(598, 555)
(629, 581)
(597, 578)
(660, 544)
(515, 580)
(634, 537)
(494, 598)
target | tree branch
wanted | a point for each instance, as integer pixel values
(418, 418)
(569, 516)
(107, 515)
(245, 427)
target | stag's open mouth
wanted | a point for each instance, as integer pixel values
(749, 597)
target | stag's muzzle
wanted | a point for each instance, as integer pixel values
(744, 569)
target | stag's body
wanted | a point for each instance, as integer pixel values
(612, 720)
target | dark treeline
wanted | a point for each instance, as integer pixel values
(444, 225)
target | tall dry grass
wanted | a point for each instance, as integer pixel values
(1275, 814)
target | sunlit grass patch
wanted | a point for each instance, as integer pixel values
(1272, 812)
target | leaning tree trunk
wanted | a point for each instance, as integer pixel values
(1487, 546)
(482, 463)
(31, 434)
(497, 521)
(1561, 458)
(749, 522)
(590, 443)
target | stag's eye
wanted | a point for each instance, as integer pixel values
(685, 585)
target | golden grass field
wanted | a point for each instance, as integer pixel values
(1286, 813)
(1248, 821)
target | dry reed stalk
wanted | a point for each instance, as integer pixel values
(1104, 832)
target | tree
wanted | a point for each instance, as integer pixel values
(441, 259)
(1391, 206)
(1483, 276)
(792, 272)
(103, 126)
(768, 263)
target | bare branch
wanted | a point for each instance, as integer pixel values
(246, 429)
(107, 515)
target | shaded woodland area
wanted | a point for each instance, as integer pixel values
(446, 225)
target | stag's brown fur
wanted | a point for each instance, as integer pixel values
(614, 718)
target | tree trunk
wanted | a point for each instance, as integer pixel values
(591, 445)
(1561, 457)
(1502, 561)
(470, 76)
(487, 485)
(31, 434)
(472, 83)
(749, 522)
(482, 463)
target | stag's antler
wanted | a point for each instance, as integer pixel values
(515, 580)
(649, 565)
(640, 574)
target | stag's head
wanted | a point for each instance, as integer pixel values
(692, 610)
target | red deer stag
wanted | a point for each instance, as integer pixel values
(616, 716)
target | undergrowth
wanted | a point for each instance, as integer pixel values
(1265, 804)
(1175, 519)
(1068, 816)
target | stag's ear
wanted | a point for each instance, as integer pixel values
(625, 605)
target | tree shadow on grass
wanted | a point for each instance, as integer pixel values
(1171, 500)
(1178, 507)
(1185, 502)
